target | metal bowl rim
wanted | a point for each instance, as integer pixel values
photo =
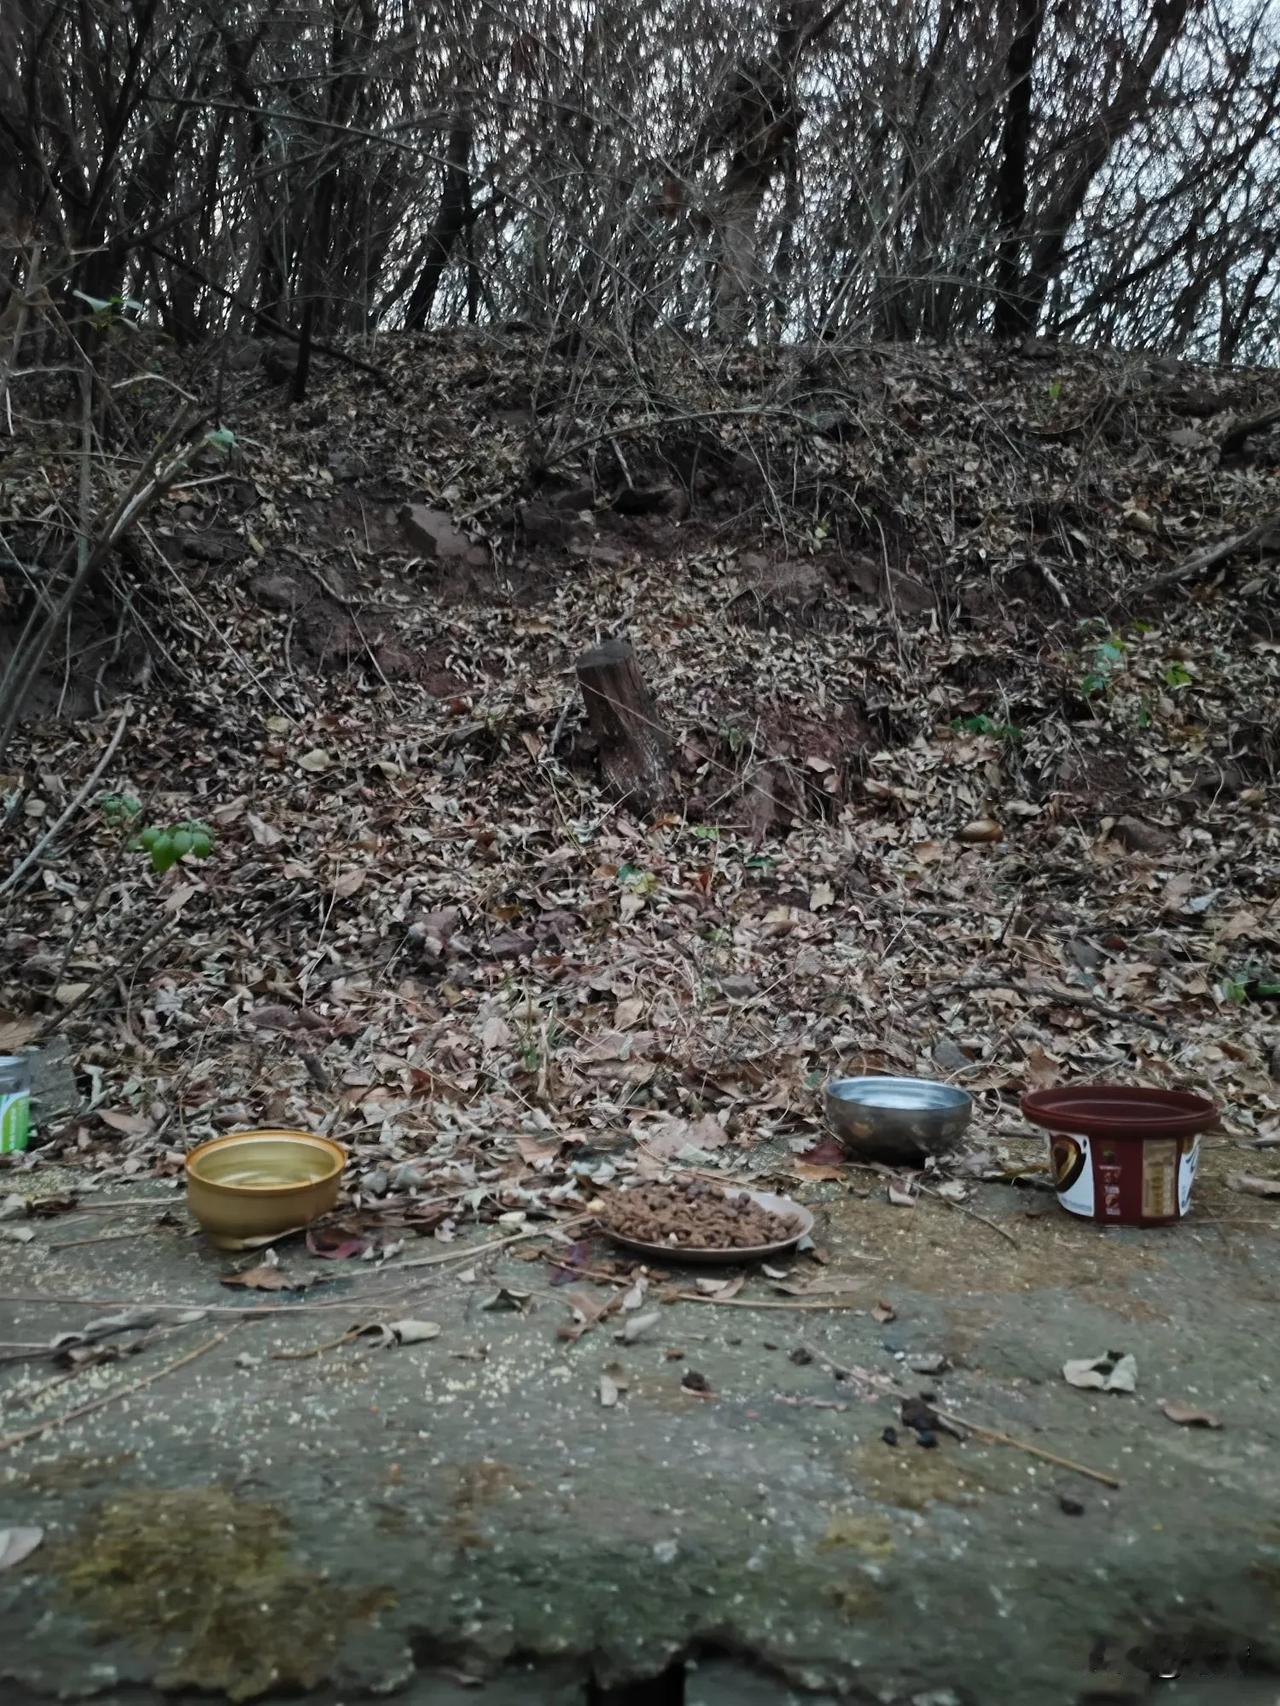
(313, 1139)
(952, 1097)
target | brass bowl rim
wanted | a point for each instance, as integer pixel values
(337, 1155)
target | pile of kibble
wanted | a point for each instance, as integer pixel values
(692, 1216)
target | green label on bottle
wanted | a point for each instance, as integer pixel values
(15, 1118)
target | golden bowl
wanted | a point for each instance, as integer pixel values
(252, 1186)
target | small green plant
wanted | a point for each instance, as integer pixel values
(165, 847)
(985, 725)
(1054, 389)
(1251, 983)
(638, 881)
(1103, 661)
(119, 808)
(1177, 675)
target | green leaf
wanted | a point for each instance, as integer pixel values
(97, 303)
(182, 842)
(1177, 675)
(221, 438)
(704, 831)
(1092, 684)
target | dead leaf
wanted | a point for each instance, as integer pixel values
(411, 1332)
(637, 1326)
(506, 1298)
(980, 830)
(1188, 1415)
(130, 1125)
(16, 1544)
(901, 1198)
(1243, 923)
(334, 1245)
(883, 1312)
(315, 761)
(1117, 1371)
(15, 1034)
(827, 1152)
(533, 1151)
(821, 895)
(350, 882)
(628, 1014)
(264, 1278)
(407, 1332)
(495, 1033)
(1254, 1186)
(263, 833)
(609, 1390)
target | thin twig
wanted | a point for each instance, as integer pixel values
(1209, 558)
(493, 1244)
(762, 1303)
(16, 876)
(997, 1437)
(1038, 991)
(101, 1238)
(86, 1409)
(136, 950)
(317, 1350)
(963, 1208)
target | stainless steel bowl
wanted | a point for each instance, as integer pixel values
(896, 1119)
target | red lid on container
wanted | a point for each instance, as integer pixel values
(1120, 1110)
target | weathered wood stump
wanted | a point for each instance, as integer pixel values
(635, 749)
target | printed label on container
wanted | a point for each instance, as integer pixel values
(15, 1116)
(1072, 1173)
(1188, 1161)
(1159, 1178)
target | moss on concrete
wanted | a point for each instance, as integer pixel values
(206, 1582)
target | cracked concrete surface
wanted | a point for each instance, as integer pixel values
(466, 1522)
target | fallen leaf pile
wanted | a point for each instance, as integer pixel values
(950, 794)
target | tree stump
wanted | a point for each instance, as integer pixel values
(635, 749)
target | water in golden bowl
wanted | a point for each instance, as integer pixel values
(252, 1186)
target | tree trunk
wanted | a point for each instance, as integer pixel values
(1012, 313)
(635, 749)
(452, 218)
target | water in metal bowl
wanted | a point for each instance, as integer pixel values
(896, 1119)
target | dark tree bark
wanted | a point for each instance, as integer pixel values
(635, 749)
(1012, 313)
(453, 216)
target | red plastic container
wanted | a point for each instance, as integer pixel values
(1124, 1156)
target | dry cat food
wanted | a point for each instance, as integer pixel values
(693, 1216)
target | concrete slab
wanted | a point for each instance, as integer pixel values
(286, 1514)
